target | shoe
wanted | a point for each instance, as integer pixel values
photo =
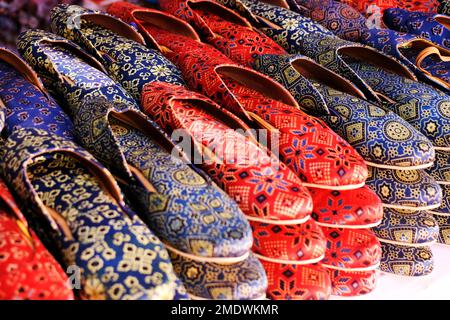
(297, 282)
(245, 280)
(25, 101)
(116, 45)
(351, 250)
(353, 209)
(80, 205)
(406, 189)
(203, 67)
(288, 244)
(223, 29)
(406, 261)
(407, 228)
(443, 222)
(441, 169)
(435, 28)
(27, 270)
(445, 205)
(381, 137)
(352, 283)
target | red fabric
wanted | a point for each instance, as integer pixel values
(359, 208)
(27, 270)
(262, 186)
(351, 283)
(301, 242)
(297, 282)
(411, 5)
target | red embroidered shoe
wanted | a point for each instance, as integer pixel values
(352, 283)
(293, 244)
(265, 189)
(351, 250)
(297, 282)
(27, 270)
(316, 154)
(360, 208)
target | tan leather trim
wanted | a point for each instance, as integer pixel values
(115, 25)
(220, 10)
(426, 53)
(312, 70)
(443, 19)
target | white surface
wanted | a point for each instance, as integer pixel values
(434, 286)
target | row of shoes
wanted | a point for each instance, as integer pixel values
(123, 93)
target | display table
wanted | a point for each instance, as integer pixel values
(434, 286)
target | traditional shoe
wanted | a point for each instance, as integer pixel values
(219, 26)
(351, 250)
(27, 270)
(354, 209)
(340, 18)
(346, 283)
(405, 189)
(407, 228)
(406, 261)
(245, 280)
(426, 59)
(119, 47)
(424, 107)
(444, 209)
(190, 214)
(444, 228)
(367, 6)
(80, 205)
(297, 282)
(306, 38)
(265, 189)
(435, 28)
(383, 138)
(314, 157)
(441, 169)
(68, 71)
(293, 244)
(25, 101)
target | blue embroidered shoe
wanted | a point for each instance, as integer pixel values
(25, 100)
(444, 228)
(79, 203)
(211, 227)
(406, 261)
(435, 28)
(407, 228)
(445, 206)
(383, 138)
(118, 47)
(405, 189)
(245, 280)
(441, 169)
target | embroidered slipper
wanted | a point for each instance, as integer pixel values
(25, 101)
(443, 222)
(441, 169)
(353, 209)
(367, 6)
(82, 208)
(383, 138)
(406, 261)
(220, 27)
(119, 47)
(428, 61)
(265, 189)
(297, 282)
(340, 18)
(203, 67)
(431, 26)
(351, 250)
(292, 244)
(406, 189)
(407, 228)
(245, 280)
(27, 270)
(444, 209)
(347, 283)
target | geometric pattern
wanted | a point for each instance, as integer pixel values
(440, 171)
(444, 7)
(407, 228)
(86, 217)
(406, 261)
(444, 229)
(245, 280)
(348, 283)
(27, 270)
(444, 209)
(297, 282)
